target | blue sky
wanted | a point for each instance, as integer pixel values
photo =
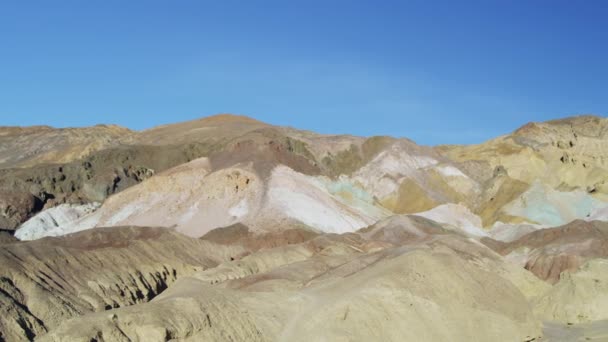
(434, 71)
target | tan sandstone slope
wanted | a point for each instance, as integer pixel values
(403, 279)
(45, 282)
(29, 146)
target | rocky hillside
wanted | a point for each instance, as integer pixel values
(226, 169)
(561, 166)
(29, 146)
(47, 281)
(386, 282)
(270, 233)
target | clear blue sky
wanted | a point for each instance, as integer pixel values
(437, 72)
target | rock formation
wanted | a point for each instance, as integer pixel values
(228, 228)
(47, 281)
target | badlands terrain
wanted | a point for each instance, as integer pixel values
(231, 229)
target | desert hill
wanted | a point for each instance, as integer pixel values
(228, 228)
(268, 177)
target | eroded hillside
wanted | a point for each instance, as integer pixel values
(276, 234)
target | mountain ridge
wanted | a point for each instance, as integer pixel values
(230, 228)
(392, 175)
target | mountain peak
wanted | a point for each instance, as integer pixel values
(577, 120)
(586, 124)
(229, 118)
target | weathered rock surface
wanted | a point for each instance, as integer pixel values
(16, 207)
(45, 282)
(302, 236)
(241, 235)
(578, 297)
(30, 146)
(549, 252)
(429, 284)
(563, 155)
(91, 179)
(62, 215)
(518, 178)
(6, 237)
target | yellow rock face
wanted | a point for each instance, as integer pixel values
(30, 146)
(565, 154)
(578, 297)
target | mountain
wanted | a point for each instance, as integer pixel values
(227, 169)
(560, 164)
(228, 228)
(30, 146)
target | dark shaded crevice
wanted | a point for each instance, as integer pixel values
(26, 329)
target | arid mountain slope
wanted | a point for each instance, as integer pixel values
(564, 161)
(214, 129)
(578, 297)
(225, 139)
(45, 282)
(30, 146)
(276, 234)
(329, 183)
(406, 279)
(26, 191)
(549, 252)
